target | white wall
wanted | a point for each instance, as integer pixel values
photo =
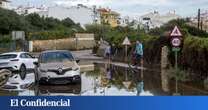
(80, 15)
(157, 20)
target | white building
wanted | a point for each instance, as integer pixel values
(128, 21)
(155, 19)
(204, 15)
(124, 21)
(29, 9)
(5, 4)
(203, 20)
(79, 14)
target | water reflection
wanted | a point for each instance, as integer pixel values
(57, 90)
(109, 80)
(109, 73)
(115, 80)
(140, 88)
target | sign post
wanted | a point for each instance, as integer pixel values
(17, 35)
(176, 38)
(126, 42)
(176, 43)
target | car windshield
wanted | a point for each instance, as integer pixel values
(8, 56)
(51, 57)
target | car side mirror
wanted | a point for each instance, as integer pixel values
(36, 64)
(77, 60)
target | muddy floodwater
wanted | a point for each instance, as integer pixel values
(109, 80)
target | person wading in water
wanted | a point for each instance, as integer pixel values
(139, 53)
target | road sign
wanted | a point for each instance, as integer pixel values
(176, 49)
(18, 35)
(127, 83)
(126, 41)
(176, 32)
(176, 42)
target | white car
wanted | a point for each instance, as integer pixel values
(18, 62)
(57, 67)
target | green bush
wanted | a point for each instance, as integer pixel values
(35, 26)
(45, 35)
(5, 38)
(178, 74)
(194, 56)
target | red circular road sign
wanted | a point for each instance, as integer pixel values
(176, 42)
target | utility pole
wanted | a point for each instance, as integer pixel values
(95, 13)
(199, 17)
(201, 24)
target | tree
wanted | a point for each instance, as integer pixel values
(9, 21)
(68, 22)
(36, 21)
(34, 24)
(51, 23)
(98, 29)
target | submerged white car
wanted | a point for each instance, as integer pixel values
(57, 67)
(18, 62)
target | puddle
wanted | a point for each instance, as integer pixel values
(105, 80)
(15, 83)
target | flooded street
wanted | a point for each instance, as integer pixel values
(107, 80)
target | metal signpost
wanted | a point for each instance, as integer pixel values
(126, 42)
(176, 38)
(126, 83)
(17, 35)
(176, 41)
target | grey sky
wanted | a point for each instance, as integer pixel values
(130, 7)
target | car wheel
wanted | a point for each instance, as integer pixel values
(23, 72)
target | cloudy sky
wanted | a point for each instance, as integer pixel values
(130, 7)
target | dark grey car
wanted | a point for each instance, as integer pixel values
(57, 67)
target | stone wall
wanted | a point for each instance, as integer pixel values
(164, 69)
(77, 43)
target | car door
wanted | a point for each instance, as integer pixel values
(30, 60)
(24, 60)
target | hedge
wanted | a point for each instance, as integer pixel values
(45, 35)
(195, 56)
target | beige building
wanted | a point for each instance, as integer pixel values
(109, 17)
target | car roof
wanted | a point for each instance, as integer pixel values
(47, 51)
(13, 53)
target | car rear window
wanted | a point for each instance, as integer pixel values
(56, 57)
(8, 56)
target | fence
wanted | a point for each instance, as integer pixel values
(14, 46)
(6, 47)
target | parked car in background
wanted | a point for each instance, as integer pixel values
(18, 62)
(57, 67)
